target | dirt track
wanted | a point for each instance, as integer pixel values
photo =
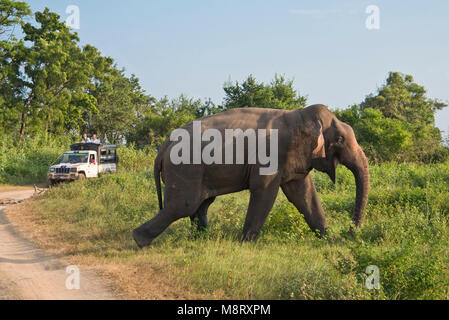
(27, 272)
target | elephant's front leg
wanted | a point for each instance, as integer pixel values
(260, 204)
(303, 195)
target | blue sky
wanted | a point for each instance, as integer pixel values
(194, 47)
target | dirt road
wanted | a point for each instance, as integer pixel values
(29, 273)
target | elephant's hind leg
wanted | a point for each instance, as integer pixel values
(146, 233)
(199, 218)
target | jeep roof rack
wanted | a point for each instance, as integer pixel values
(91, 146)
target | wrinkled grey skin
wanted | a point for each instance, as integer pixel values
(310, 138)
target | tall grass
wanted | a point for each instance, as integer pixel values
(405, 233)
(28, 161)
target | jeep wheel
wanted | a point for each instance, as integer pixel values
(81, 176)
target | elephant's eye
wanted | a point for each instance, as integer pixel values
(340, 140)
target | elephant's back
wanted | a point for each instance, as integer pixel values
(240, 118)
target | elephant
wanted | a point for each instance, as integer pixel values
(308, 138)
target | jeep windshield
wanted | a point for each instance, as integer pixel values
(74, 158)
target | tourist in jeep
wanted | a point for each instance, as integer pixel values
(105, 140)
(95, 139)
(85, 138)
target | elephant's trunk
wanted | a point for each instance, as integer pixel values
(359, 167)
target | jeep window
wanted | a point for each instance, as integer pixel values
(107, 156)
(74, 158)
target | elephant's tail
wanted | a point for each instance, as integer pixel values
(157, 178)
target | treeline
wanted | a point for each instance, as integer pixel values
(397, 123)
(51, 86)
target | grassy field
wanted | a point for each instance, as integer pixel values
(28, 163)
(405, 233)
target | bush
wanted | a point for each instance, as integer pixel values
(27, 162)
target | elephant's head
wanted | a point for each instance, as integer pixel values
(334, 142)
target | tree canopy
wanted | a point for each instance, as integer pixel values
(50, 85)
(12, 14)
(47, 78)
(279, 94)
(398, 122)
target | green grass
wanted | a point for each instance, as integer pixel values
(27, 162)
(405, 233)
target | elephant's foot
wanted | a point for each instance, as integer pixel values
(320, 232)
(250, 236)
(140, 239)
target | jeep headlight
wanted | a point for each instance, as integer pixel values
(73, 169)
(52, 170)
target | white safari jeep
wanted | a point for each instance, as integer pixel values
(85, 160)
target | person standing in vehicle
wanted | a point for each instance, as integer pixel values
(95, 139)
(85, 138)
(105, 140)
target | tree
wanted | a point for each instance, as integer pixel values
(401, 98)
(120, 102)
(48, 76)
(11, 14)
(50, 84)
(279, 94)
(382, 139)
(165, 115)
(398, 122)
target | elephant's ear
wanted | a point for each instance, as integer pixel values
(314, 129)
